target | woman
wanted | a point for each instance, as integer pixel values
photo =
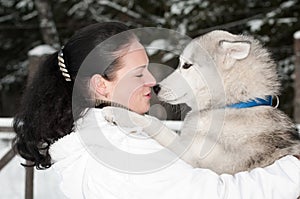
(52, 133)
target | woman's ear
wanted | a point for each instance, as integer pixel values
(99, 86)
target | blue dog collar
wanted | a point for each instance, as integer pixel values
(252, 103)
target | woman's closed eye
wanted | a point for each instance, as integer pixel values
(140, 75)
(140, 71)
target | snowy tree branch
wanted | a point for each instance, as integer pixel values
(96, 16)
(156, 19)
(270, 14)
(6, 18)
(226, 26)
(47, 24)
(119, 8)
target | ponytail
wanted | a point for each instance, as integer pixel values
(45, 114)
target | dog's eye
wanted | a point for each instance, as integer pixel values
(186, 65)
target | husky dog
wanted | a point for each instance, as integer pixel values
(228, 81)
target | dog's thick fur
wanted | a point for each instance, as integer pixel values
(244, 138)
(216, 70)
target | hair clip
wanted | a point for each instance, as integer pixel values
(62, 66)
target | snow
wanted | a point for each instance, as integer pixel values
(119, 8)
(287, 4)
(30, 16)
(297, 35)
(15, 76)
(24, 4)
(177, 8)
(284, 5)
(76, 8)
(12, 179)
(6, 122)
(46, 182)
(41, 50)
(8, 79)
(188, 9)
(6, 18)
(287, 20)
(7, 4)
(156, 45)
(12, 176)
(184, 7)
(255, 24)
(167, 57)
(265, 38)
(182, 27)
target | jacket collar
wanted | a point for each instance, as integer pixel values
(71, 144)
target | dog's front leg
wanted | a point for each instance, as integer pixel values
(150, 125)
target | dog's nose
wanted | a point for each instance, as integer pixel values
(156, 88)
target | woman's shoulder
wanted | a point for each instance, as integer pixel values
(67, 151)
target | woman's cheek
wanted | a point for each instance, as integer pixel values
(128, 90)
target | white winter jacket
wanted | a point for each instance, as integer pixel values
(102, 173)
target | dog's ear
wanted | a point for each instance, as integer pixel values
(234, 50)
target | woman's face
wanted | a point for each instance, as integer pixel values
(133, 82)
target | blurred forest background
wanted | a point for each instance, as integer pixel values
(25, 24)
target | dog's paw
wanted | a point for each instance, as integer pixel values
(124, 118)
(108, 115)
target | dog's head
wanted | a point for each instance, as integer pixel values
(218, 69)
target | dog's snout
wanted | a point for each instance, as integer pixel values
(156, 88)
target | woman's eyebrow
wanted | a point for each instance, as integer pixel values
(140, 67)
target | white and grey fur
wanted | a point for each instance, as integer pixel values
(216, 70)
(248, 137)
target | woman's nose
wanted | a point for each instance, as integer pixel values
(150, 80)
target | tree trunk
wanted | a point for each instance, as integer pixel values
(297, 77)
(47, 24)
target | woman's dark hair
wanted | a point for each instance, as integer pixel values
(46, 113)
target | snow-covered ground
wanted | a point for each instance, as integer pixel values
(12, 180)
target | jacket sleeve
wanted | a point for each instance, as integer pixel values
(280, 180)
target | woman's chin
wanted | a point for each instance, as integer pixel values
(141, 109)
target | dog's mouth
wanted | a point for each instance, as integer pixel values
(175, 100)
